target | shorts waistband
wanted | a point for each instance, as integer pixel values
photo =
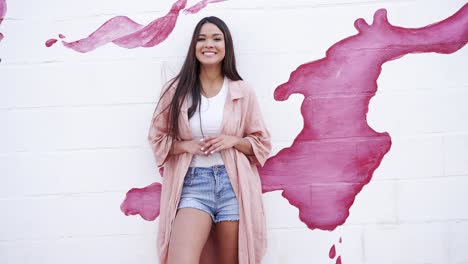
(201, 169)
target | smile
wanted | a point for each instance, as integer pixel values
(209, 53)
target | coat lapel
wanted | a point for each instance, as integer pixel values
(234, 92)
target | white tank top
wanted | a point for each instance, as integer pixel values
(212, 110)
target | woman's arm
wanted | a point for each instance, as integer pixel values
(244, 146)
(187, 146)
(255, 131)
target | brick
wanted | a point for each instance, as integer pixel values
(124, 249)
(458, 242)
(438, 199)
(299, 245)
(56, 216)
(413, 157)
(406, 243)
(76, 171)
(374, 204)
(456, 154)
(81, 84)
(45, 129)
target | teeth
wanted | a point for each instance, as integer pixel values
(209, 53)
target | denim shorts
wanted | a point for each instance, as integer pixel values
(210, 190)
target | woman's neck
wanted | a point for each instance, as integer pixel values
(210, 74)
(211, 80)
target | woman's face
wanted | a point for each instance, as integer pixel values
(210, 48)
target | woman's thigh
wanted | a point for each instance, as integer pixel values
(227, 233)
(189, 234)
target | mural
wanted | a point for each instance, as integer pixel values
(336, 153)
(3, 9)
(126, 33)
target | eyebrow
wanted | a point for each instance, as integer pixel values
(215, 34)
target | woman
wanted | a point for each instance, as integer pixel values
(208, 134)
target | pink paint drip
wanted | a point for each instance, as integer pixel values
(338, 260)
(200, 5)
(336, 153)
(61, 36)
(3, 9)
(50, 42)
(332, 252)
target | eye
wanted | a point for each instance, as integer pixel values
(218, 39)
(201, 39)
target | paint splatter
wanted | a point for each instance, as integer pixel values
(50, 42)
(200, 5)
(61, 36)
(338, 260)
(126, 33)
(336, 153)
(3, 9)
(142, 202)
(332, 252)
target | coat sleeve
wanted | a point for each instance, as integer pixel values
(158, 136)
(256, 132)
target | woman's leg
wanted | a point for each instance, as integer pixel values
(227, 233)
(189, 234)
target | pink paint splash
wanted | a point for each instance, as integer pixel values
(142, 202)
(3, 9)
(126, 33)
(50, 42)
(200, 5)
(336, 153)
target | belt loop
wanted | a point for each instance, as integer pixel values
(191, 170)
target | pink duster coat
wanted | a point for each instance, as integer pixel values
(242, 117)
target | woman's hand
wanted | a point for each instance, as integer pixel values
(218, 143)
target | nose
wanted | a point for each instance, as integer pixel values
(209, 43)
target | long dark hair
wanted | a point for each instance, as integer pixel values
(188, 79)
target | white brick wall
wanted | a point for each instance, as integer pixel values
(73, 137)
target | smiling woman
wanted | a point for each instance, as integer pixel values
(208, 133)
(210, 50)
